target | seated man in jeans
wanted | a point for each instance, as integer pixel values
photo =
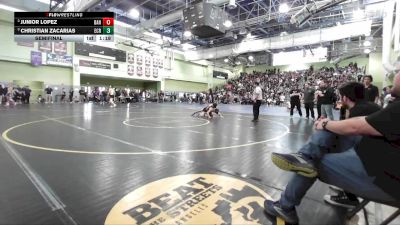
(367, 166)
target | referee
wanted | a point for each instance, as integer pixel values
(257, 97)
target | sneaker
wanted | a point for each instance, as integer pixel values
(341, 200)
(334, 188)
(275, 209)
(295, 162)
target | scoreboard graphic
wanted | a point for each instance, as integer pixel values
(64, 26)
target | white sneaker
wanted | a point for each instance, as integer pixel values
(335, 188)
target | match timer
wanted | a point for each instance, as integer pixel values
(64, 26)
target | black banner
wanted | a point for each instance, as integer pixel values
(38, 15)
(98, 51)
(98, 65)
(59, 30)
(73, 22)
(220, 75)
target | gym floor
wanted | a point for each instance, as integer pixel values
(91, 164)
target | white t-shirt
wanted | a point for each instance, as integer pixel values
(111, 91)
(257, 94)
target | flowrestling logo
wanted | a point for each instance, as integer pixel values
(192, 199)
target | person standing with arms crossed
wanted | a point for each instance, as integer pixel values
(327, 98)
(295, 101)
(257, 97)
(309, 93)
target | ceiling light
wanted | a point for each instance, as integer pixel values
(251, 58)
(9, 8)
(367, 43)
(122, 24)
(358, 14)
(187, 34)
(228, 23)
(367, 51)
(283, 8)
(226, 60)
(134, 13)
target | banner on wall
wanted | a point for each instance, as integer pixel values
(147, 72)
(155, 72)
(130, 70)
(59, 60)
(36, 58)
(139, 71)
(139, 59)
(60, 48)
(147, 60)
(155, 62)
(45, 46)
(26, 44)
(97, 65)
(131, 58)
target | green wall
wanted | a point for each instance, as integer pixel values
(10, 71)
(376, 68)
(152, 86)
(114, 82)
(10, 51)
(183, 70)
(15, 61)
(180, 85)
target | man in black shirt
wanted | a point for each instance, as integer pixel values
(368, 168)
(1, 94)
(295, 101)
(309, 93)
(327, 98)
(48, 90)
(71, 94)
(27, 91)
(352, 98)
(371, 91)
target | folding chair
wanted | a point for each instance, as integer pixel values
(364, 202)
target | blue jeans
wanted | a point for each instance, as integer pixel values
(337, 164)
(327, 111)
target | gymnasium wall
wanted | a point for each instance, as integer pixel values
(15, 61)
(10, 71)
(184, 86)
(114, 82)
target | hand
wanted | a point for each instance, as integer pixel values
(318, 124)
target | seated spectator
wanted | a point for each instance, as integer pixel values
(366, 166)
(388, 98)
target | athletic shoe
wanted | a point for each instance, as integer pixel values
(295, 162)
(275, 209)
(338, 189)
(341, 200)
